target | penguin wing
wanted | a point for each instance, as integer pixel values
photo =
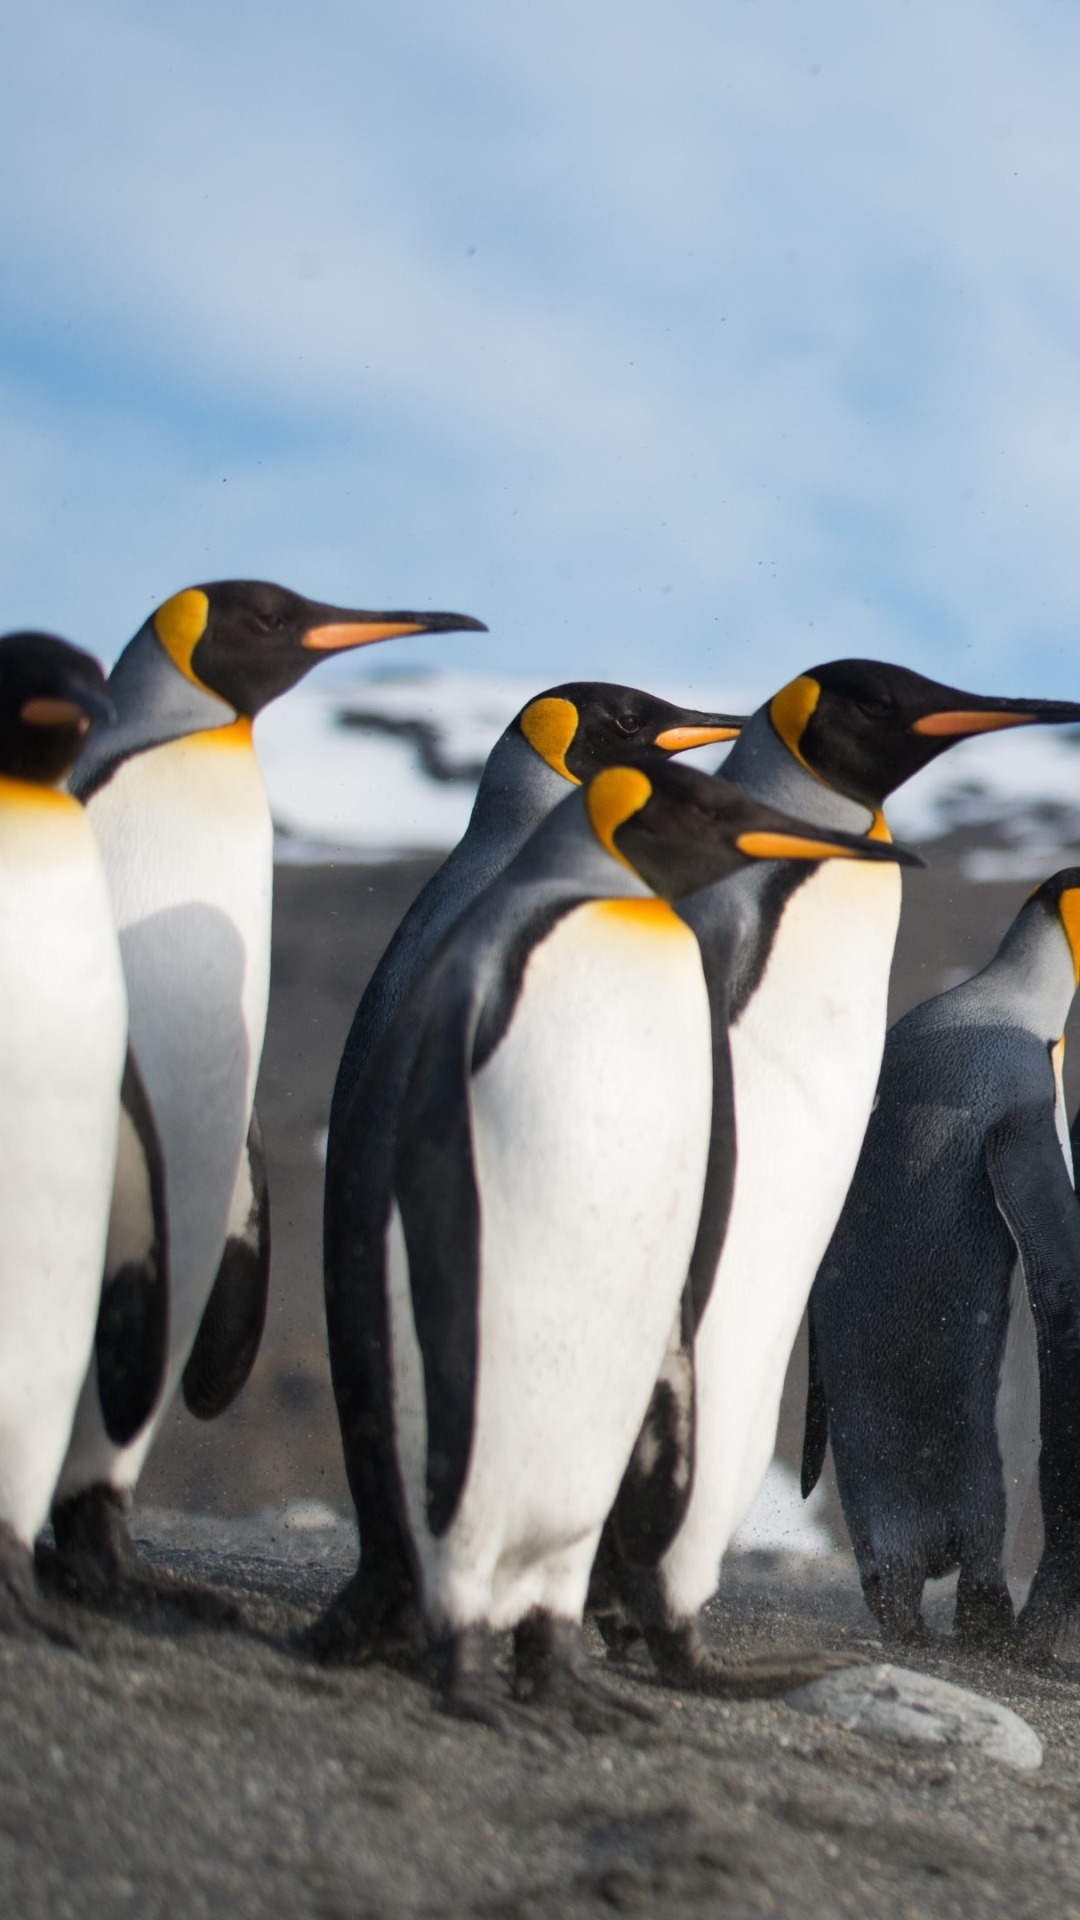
(816, 1431)
(235, 1314)
(435, 1188)
(131, 1342)
(1036, 1200)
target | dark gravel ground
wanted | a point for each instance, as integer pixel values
(173, 1773)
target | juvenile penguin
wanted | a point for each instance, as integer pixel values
(532, 1141)
(560, 739)
(961, 1222)
(806, 994)
(63, 1040)
(176, 799)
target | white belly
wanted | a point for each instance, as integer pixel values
(590, 1130)
(806, 1054)
(187, 841)
(62, 1043)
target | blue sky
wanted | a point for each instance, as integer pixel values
(686, 345)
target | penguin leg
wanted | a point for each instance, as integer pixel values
(683, 1660)
(374, 1617)
(553, 1668)
(893, 1593)
(984, 1612)
(471, 1686)
(23, 1613)
(95, 1562)
(1054, 1599)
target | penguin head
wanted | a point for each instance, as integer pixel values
(50, 693)
(588, 724)
(864, 727)
(681, 830)
(1057, 902)
(247, 641)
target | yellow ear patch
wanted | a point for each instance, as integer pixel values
(1069, 908)
(180, 625)
(549, 727)
(613, 797)
(790, 711)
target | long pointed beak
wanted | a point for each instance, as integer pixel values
(991, 717)
(361, 629)
(704, 732)
(843, 846)
(78, 707)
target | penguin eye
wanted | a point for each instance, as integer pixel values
(626, 723)
(270, 622)
(873, 709)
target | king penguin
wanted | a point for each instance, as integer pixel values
(961, 1231)
(558, 740)
(63, 1042)
(806, 991)
(176, 799)
(533, 1137)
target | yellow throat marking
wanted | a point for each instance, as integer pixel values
(1069, 910)
(549, 727)
(180, 625)
(613, 797)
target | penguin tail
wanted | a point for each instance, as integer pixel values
(816, 1431)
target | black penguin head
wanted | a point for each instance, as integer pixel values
(50, 693)
(589, 724)
(247, 641)
(864, 727)
(1058, 900)
(681, 830)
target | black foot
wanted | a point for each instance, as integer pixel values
(984, 1617)
(360, 1626)
(471, 1686)
(553, 1668)
(95, 1562)
(23, 1612)
(897, 1608)
(682, 1660)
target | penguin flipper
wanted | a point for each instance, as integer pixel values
(651, 1502)
(232, 1324)
(435, 1188)
(1039, 1206)
(132, 1337)
(816, 1431)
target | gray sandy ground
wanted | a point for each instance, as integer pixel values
(214, 1773)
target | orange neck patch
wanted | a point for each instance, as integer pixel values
(180, 625)
(549, 727)
(28, 794)
(1069, 910)
(613, 797)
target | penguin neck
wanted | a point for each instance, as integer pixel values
(1030, 982)
(565, 853)
(154, 703)
(761, 765)
(517, 791)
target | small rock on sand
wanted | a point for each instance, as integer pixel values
(897, 1704)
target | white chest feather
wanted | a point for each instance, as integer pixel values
(62, 1043)
(806, 1053)
(187, 842)
(590, 1129)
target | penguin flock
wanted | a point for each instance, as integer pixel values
(616, 1104)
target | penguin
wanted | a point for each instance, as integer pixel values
(961, 1231)
(532, 1139)
(561, 737)
(806, 992)
(63, 1046)
(174, 794)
